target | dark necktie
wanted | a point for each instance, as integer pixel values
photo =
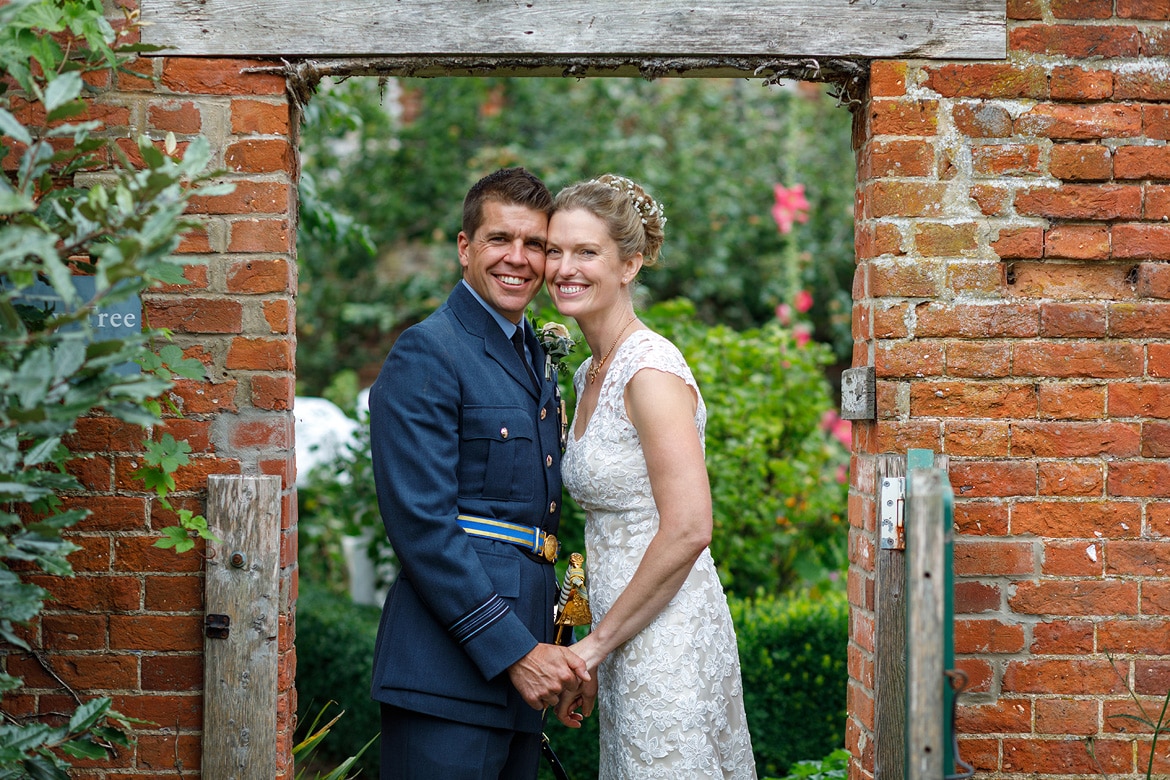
(518, 343)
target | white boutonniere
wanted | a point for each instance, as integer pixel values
(557, 343)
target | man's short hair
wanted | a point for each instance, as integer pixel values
(510, 186)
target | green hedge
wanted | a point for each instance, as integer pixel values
(795, 673)
(793, 653)
(335, 655)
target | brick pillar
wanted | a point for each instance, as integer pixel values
(130, 625)
(1012, 295)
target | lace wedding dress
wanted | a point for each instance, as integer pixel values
(670, 700)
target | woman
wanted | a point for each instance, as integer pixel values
(670, 697)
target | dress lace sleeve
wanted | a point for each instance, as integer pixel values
(647, 349)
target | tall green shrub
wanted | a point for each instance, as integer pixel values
(778, 478)
(53, 370)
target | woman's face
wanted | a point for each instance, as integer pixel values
(583, 270)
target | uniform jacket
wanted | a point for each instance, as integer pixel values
(457, 428)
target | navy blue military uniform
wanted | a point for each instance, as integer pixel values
(459, 428)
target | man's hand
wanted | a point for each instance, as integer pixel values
(547, 670)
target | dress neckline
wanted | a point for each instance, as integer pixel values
(616, 354)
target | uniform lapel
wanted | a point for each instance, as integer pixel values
(478, 322)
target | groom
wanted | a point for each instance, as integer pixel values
(466, 439)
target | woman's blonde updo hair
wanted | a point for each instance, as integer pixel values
(635, 220)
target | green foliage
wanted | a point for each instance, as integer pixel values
(834, 766)
(163, 458)
(795, 673)
(386, 167)
(92, 732)
(777, 477)
(305, 750)
(335, 657)
(793, 654)
(53, 370)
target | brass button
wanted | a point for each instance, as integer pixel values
(543, 413)
(504, 432)
(552, 507)
(548, 460)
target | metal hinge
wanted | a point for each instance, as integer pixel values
(892, 513)
(217, 626)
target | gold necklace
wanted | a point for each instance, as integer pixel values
(595, 367)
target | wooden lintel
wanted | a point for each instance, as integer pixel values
(867, 29)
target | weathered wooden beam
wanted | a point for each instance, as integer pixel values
(870, 29)
(242, 596)
(925, 623)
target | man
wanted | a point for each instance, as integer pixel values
(466, 442)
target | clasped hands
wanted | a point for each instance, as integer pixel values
(555, 676)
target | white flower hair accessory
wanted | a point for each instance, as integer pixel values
(645, 205)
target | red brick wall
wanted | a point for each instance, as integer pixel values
(1013, 295)
(130, 624)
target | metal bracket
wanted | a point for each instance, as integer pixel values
(892, 513)
(958, 681)
(217, 626)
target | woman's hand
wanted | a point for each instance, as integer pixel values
(579, 697)
(590, 651)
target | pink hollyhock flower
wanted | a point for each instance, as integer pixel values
(843, 432)
(840, 429)
(802, 335)
(784, 313)
(842, 474)
(791, 206)
(803, 301)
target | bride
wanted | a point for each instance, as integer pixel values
(668, 687)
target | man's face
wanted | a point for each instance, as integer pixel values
(504, 260)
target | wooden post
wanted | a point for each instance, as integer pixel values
(889, 657)
(240, 645)
(925, 622)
